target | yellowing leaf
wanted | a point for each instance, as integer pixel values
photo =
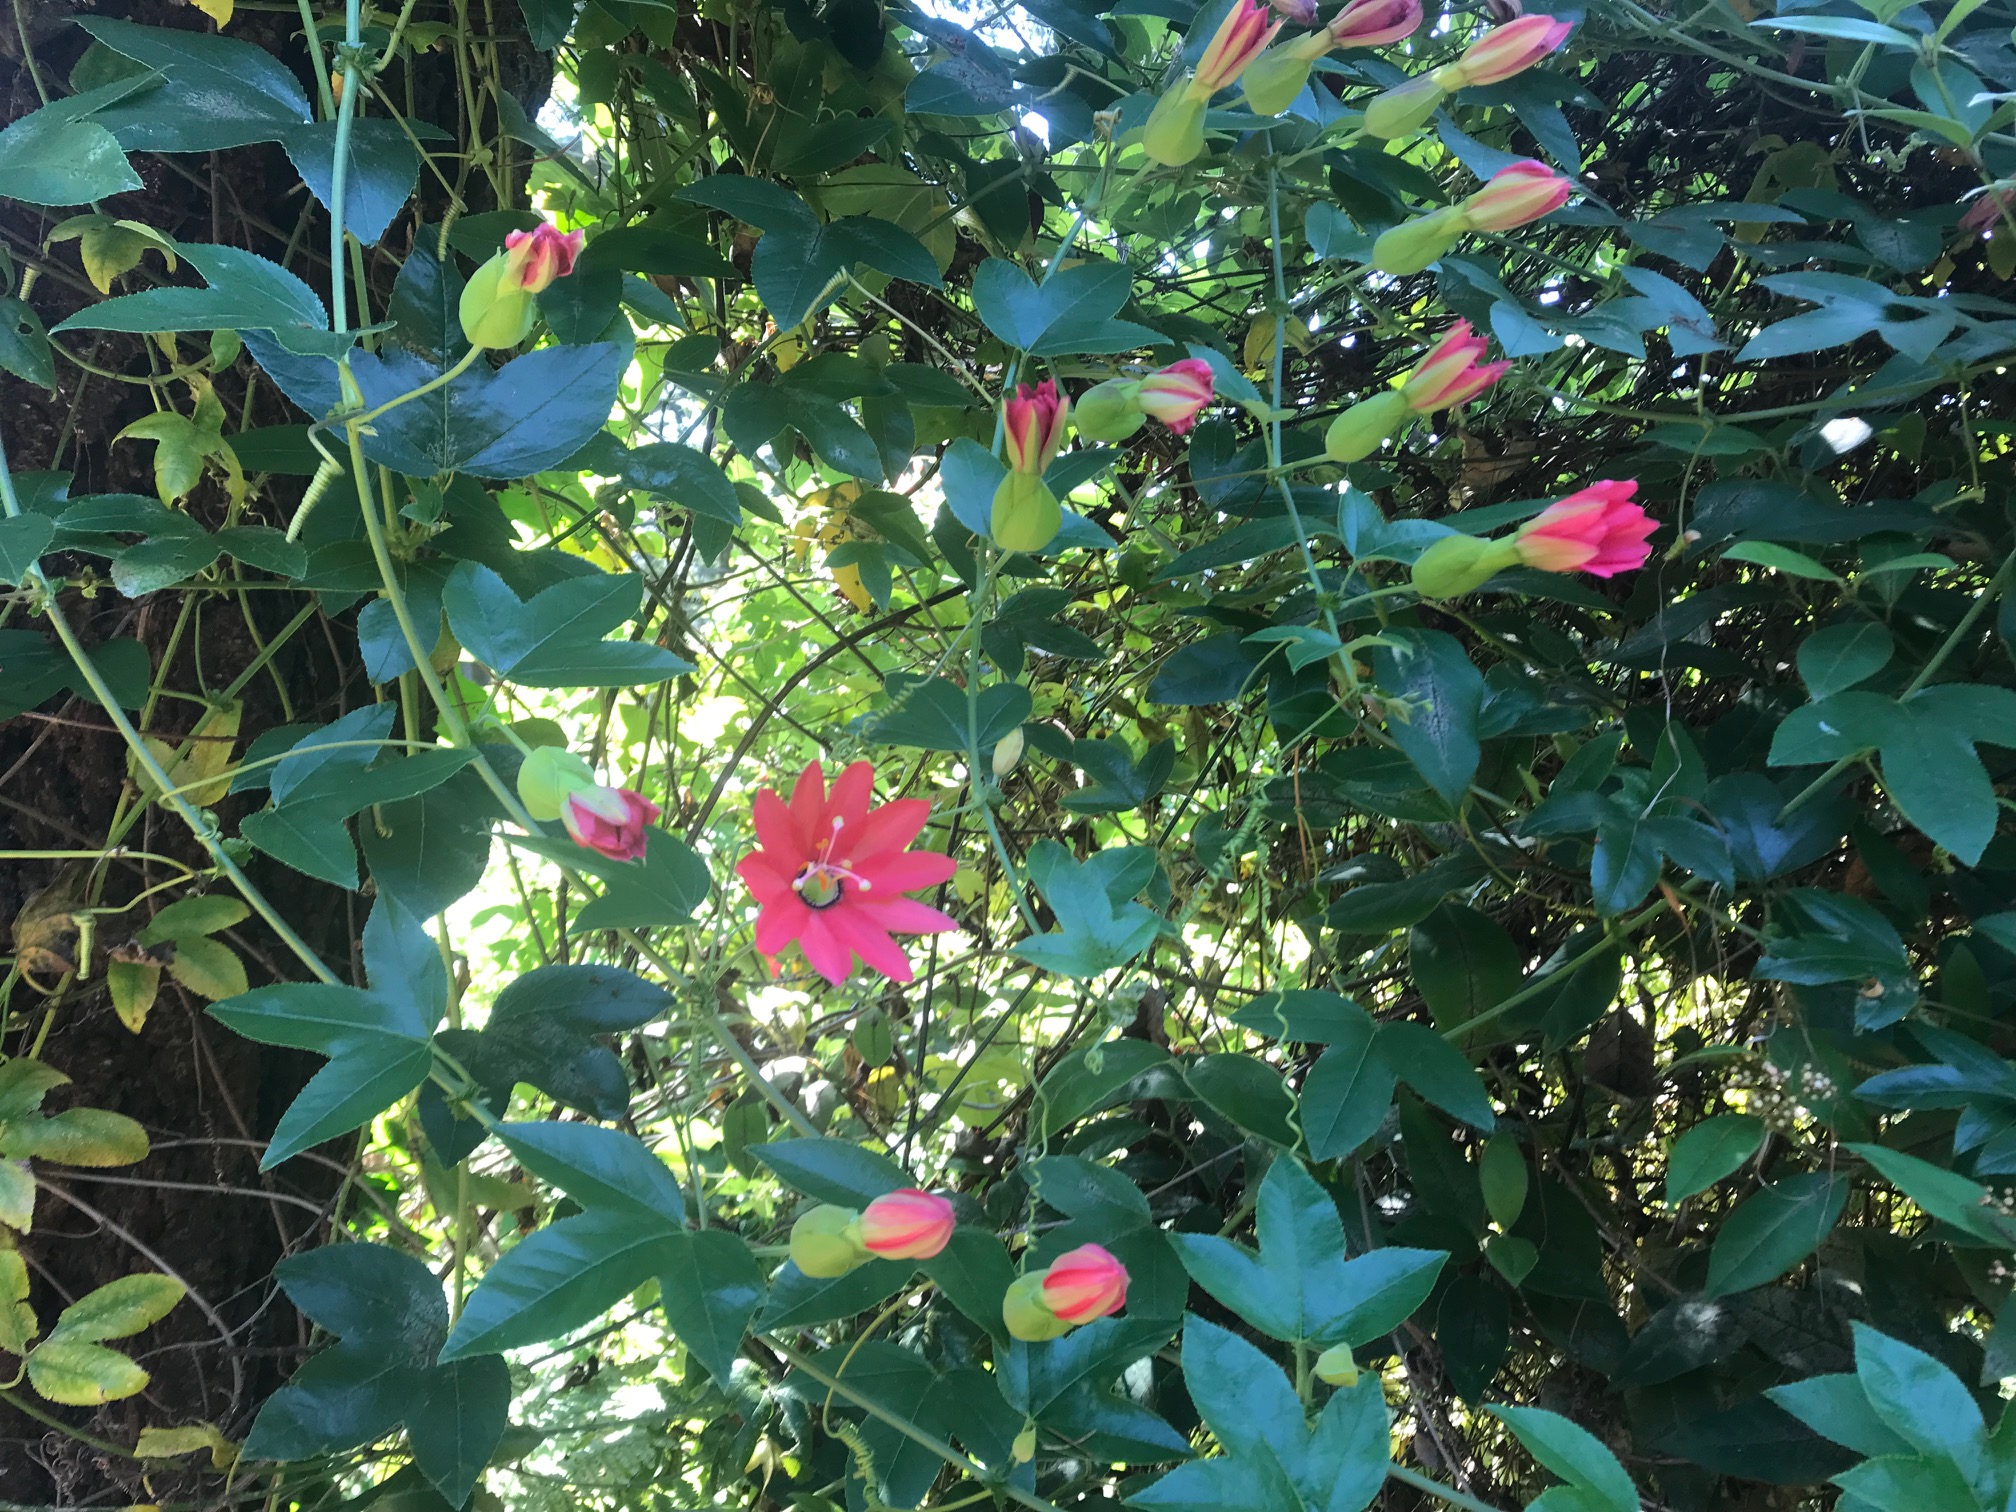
(17, 1195)
(180, 446)
(17, 1318)
(77, 1374)
(134, 986)
(120, 1309)
(78, 1137)
(172, 1443)
(209, 968)
(217, 10)
(109, 247)
(204, 772)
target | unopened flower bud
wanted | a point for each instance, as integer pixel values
(826, 1242)
(906, 1224)
(1460, 564)
(1109, 411)
(1026, 514)
(1174, 134)
(1026, 1317)
(1404, 108)
(548, 777)
(1024, 1448)
(1008, 753)
(1412, 245)
(1357, 433)
(1335, 1367)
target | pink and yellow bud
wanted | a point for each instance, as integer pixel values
(612, 822)
(906, 1225)
(1081, 1286)
(1451, 374)
(1597, 530)
(1241, 37)
(1505, 51)
(1301, 12)
(496, 305)
(1515, 195)
(535, 258)
(1035, 420)
(1281, 73)
(826, 1242)
(1374, 23)
(1176, 394)
(1085, 1284)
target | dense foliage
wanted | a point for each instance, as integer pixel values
(1522, 1019)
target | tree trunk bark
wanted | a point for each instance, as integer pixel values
(197, 1208)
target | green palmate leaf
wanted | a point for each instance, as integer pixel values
(1464, 963)
(543, 1029)
(1347, 1093)
(1073, 312)
(376, 1042)
(1574, 1454)
(1273, 1461)
(1099, 930)
(797, 1300)
(1933, 775)
(22, 541)
(1773, 1231)
(933, 714)
(599, 1168)
(664, 888)
(555, 639)
(558, 1278)
(388, 1312)
(1443, 693)
(1300, 1288)
(833, 1170)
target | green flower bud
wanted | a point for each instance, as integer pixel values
(494, 311)
(1404, 108)
(1109, 411)
(1027, 515)
(1460, 564)
(1023, 1311)
(1024, 1448)
(1412, 245)
(1273, 79)
(1335, 1367)
(826, 1242)
(548, 777)
(1008, 752)
(1355, 435)
(1175, 130)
